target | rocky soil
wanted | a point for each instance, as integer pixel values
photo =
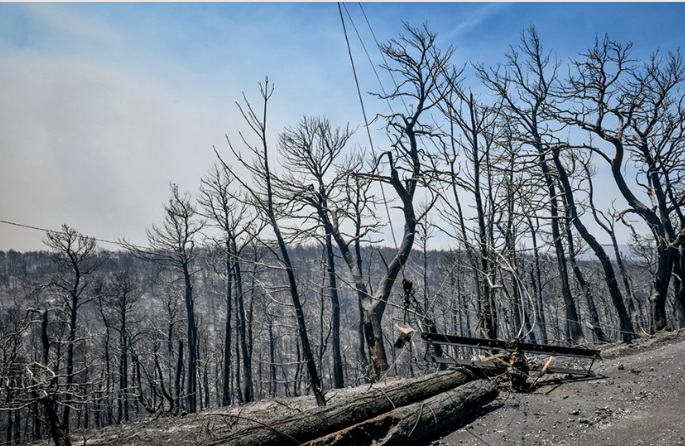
(637, 399)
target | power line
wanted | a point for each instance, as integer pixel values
(24, 226)
(45, 230)
(378, 45)
(366, 121)
(368, 56)
(354, 72)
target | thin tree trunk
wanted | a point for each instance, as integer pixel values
(338, 378)
(299, 312)
(238, 372)
(108, 371)
(625, 323)
(179, 372)
(57, 432)
(679, 286)
(630, 301)
(244, 336)
(17, 426)
(272, 362)
(574, 332)
(66, 413)
(205, 383)
(361, 292)
(192, 342)
(226, 388)
(536, 278)
(585, 289)
(123, 373)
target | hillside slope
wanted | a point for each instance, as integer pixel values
(636, 400)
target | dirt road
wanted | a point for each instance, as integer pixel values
(638, 400)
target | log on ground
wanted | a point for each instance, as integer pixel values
(417, 423)
(321, 421)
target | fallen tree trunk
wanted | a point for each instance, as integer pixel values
(321, 421)
(417, 423)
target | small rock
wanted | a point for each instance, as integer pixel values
(574, 412)
(621, 366)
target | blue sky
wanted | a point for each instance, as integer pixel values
(103, 104)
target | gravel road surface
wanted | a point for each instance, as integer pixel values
(638, 399)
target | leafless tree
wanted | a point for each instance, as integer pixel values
(524, 84)
(36, 383)
(78, 259)
(309, 151)
(355, 208)
(634, 115)
(174, 245)
(625, 324)
(425, 77)
(472, 137)
(262, 196)
(226, 212)
(120, 297)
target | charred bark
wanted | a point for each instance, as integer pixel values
(321, 421)
(416, 423)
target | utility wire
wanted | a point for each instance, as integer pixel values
(24, 226)
(366, 121)
(36, 228)
(354, 72)
(368, 56)
(385, 61)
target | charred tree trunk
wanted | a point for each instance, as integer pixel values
(318, 422)
(245, 358)
(574, 332)
(57, 431)
(123, 375)
(273, 387)
(179, 372)
(536, 278)
(226, 390)
(625, 323)
(416, 423)
(192, 341)
(662, 278)
(338, 378)
(585, 289)
(679, 286)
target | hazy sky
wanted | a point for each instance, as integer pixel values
(103, 104)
